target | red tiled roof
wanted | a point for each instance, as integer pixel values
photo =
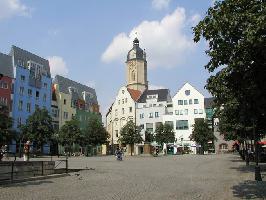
(135, 94)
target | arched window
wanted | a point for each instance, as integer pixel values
(133, 76)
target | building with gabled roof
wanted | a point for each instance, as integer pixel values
(75, 100)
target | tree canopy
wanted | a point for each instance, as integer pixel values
(236, 34)
(202, 133)
(164, 134)
(130, 134)
(95, 133)
(38, 127)
(69, 134)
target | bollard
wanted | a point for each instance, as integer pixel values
(42, 168)
(66, 165)
(12, 172)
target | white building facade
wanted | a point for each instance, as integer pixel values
(188, 105)
(122, 111)
(151, 107)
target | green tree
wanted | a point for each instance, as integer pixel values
(6, 134)
(149, 137)
(130, 134)
(236, 33)
(69, 134)
(95, 133)
(202, 134)
(164, 134)
(38, 128)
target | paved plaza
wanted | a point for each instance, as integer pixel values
(166, 177)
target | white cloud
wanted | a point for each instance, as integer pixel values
(160, 4)
(9, 8)
(165, 42)
(156, 87)
(58, 66)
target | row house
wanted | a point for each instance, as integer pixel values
(72, 99)
(6, 81)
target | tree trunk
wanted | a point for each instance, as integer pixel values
(131, 148)
(201, 149)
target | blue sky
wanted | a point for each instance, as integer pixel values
(87, 40)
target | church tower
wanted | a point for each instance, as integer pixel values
(136, 72)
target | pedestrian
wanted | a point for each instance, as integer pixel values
(27, 151)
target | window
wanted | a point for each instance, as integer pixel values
(116, 133)
(54, 112)
(180, 102)
(187, 92)
(36, 106)
(195, 111)
(160, 105)
(21, 90)
(200, 111)
(20, 105)
(64, 101)
(130, 109)
(123, 111)
(196, 101)
(44, 97)
(156, 114)
(118, 102)
(125, 100)
(28, 107)
(150, 105)
(115, 112)
(37, 95)
(65, 115)
(141, 116)
(144, 106)
(3, 85)
(185, 102)
(180, 112)
(151, 115)
(122, 101)
(45, 85)
(182, 125)
(186, 112)
(177, 112)
(3, 100)
(22, 78)
(170, 123)
(190, 101)
(149, 127)
(154, 105)
(29, 92)
(157, 124)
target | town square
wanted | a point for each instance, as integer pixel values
(154, 99)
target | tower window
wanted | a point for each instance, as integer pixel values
(133, 75)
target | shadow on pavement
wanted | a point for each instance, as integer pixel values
(29, 183)
(250, 190)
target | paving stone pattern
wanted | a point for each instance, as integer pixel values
(180, 177)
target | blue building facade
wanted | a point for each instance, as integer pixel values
(32, 87)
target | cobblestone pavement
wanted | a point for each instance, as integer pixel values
(166, 177)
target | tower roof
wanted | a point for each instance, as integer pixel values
(136, 52)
